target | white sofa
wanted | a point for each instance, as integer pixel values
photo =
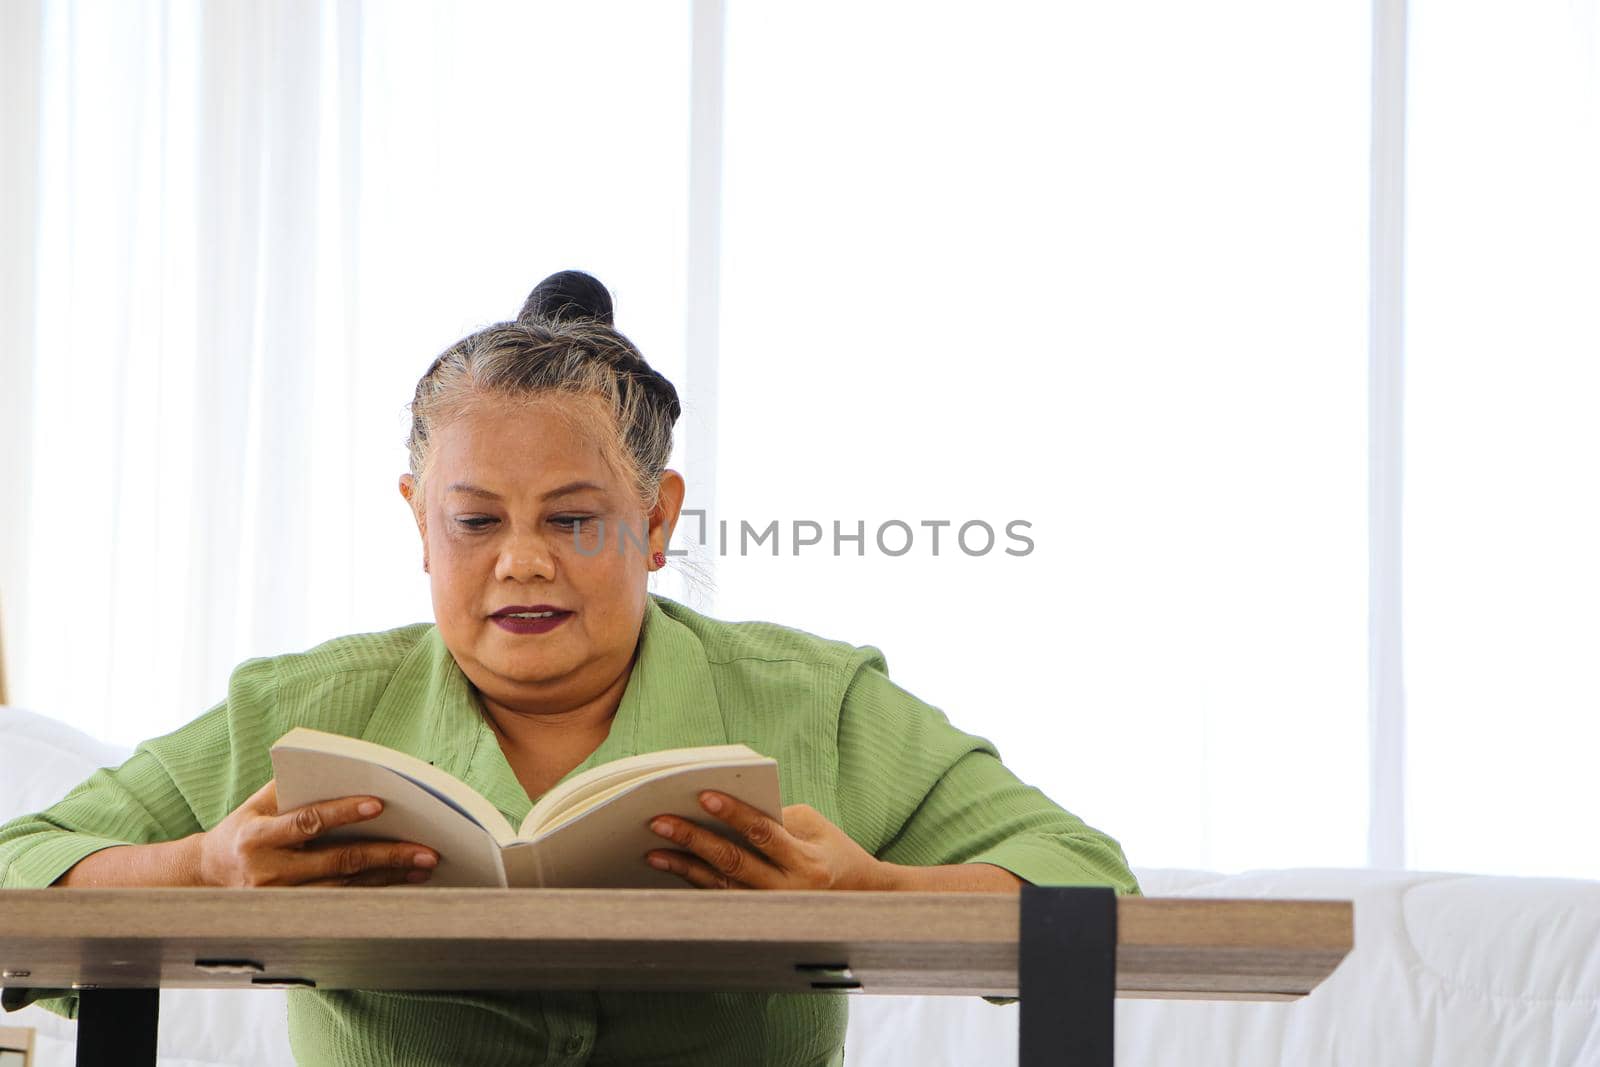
(1449, 969)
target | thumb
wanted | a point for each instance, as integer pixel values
(265, 799)
(802, 820)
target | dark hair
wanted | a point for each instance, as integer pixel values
(568, 294)
(562, 343)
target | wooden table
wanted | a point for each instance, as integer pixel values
(105, 942)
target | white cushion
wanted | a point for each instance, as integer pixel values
(41, 758)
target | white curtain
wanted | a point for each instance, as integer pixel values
(243, 231)
(1101, 268)
(1104, 267)
(1502, 555)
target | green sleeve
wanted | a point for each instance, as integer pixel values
(915, 790)
(171, 787)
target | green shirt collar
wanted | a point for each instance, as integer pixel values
(431, 710)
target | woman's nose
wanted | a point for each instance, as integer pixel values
(525, 558)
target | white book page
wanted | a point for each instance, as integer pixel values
(469, 855)
(575, 796)
(606, 846)
(442, 784)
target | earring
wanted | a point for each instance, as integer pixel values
(659, 559)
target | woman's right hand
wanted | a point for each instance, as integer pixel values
(257, 845)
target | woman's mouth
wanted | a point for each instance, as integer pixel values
(538, 619)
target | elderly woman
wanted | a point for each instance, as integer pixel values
(539, 485)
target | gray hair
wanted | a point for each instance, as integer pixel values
(539, 357)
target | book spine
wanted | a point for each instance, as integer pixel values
(520, 866)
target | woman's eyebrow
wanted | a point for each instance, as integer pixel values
(562, 490)
(472, 490)
(570, 488)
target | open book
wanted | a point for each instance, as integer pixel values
(591, 830)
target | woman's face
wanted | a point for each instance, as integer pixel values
(517, 495)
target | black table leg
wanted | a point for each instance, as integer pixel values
(1067, 976)
(117, 1027)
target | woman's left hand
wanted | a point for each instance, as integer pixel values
(804, 851)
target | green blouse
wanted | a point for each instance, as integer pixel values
(884, 766)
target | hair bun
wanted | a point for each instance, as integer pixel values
(568, 295)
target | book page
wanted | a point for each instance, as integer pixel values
(576, 794)
(468, 854)
(606, 846)
(445, 786)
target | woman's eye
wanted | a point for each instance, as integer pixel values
(477, 523)
(569, 521)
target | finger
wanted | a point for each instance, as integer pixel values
(349, 859)
(739, 864)
(765, 833)
(300, 825)
(694, 871)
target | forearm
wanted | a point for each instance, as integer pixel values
(954, 878)
(101, 832)
(166, 863)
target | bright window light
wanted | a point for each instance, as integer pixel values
(1100, 268)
